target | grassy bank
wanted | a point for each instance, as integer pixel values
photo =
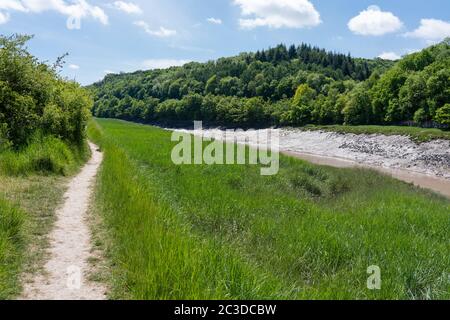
(45, 155)
(11, 246)
(180, 232)
(32, 184)
(415, 133)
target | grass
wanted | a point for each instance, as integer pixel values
(11, 246)
(44, 155)
(226, 232)
(32, 184)
(415, 133)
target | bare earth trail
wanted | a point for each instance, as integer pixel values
(70, 245)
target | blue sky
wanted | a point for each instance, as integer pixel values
(113, 36)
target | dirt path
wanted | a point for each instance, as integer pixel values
(70, 245)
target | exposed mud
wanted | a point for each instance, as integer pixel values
(425, 164)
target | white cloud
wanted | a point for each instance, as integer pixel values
(410, 51)
(431, 30)
(374, 22)
(77, 9)
(128, 7)
(278, 14)
(389, 56)
(4, 18)
(161, 32)
(163, 63)
(74, 66)
(11, 5)
(214, 20)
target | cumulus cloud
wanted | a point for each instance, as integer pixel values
(11, 5)
(127, 7)
(76, 9)
(163, 63)
(278, 14)
(161, 32)
(389, 56)
(74, 66)
(214, 20)
(431, 30)
(4, 17)
(374, 22)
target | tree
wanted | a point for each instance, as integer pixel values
(230, 86)
(421, 116)
(358, 108)
(412, 97)
(438, 88)
(344, 88)
(302, 105)
(212, 85)
(384, 95)
(443, 115)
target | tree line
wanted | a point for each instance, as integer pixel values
(286, 86)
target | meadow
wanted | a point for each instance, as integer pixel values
(226, 232)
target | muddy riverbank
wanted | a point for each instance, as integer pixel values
(424, 164)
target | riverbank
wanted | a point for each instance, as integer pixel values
(225, 231)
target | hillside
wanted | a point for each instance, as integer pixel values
(281, 86)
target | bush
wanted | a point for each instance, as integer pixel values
(443, 115)
(420, 116)
(44, 155)
(33, 97)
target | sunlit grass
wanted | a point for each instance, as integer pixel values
(31, 187)
(310, 232)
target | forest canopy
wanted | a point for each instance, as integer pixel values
(286, 86)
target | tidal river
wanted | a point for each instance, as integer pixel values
(426, 164)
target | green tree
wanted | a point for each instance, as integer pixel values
(412, 96)
(302, 107)
(212, 85)
(443, 115)
(358, 108)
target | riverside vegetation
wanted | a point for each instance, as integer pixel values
(284, 86)
(226, 232)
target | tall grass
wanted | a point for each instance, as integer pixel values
(159, 257)
(227, 232)
(44, 155)
(11, 248)
(22, 236)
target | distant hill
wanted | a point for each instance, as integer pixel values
(285, 86)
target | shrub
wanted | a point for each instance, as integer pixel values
(33, 97)
(44, 155)
(443, 115)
